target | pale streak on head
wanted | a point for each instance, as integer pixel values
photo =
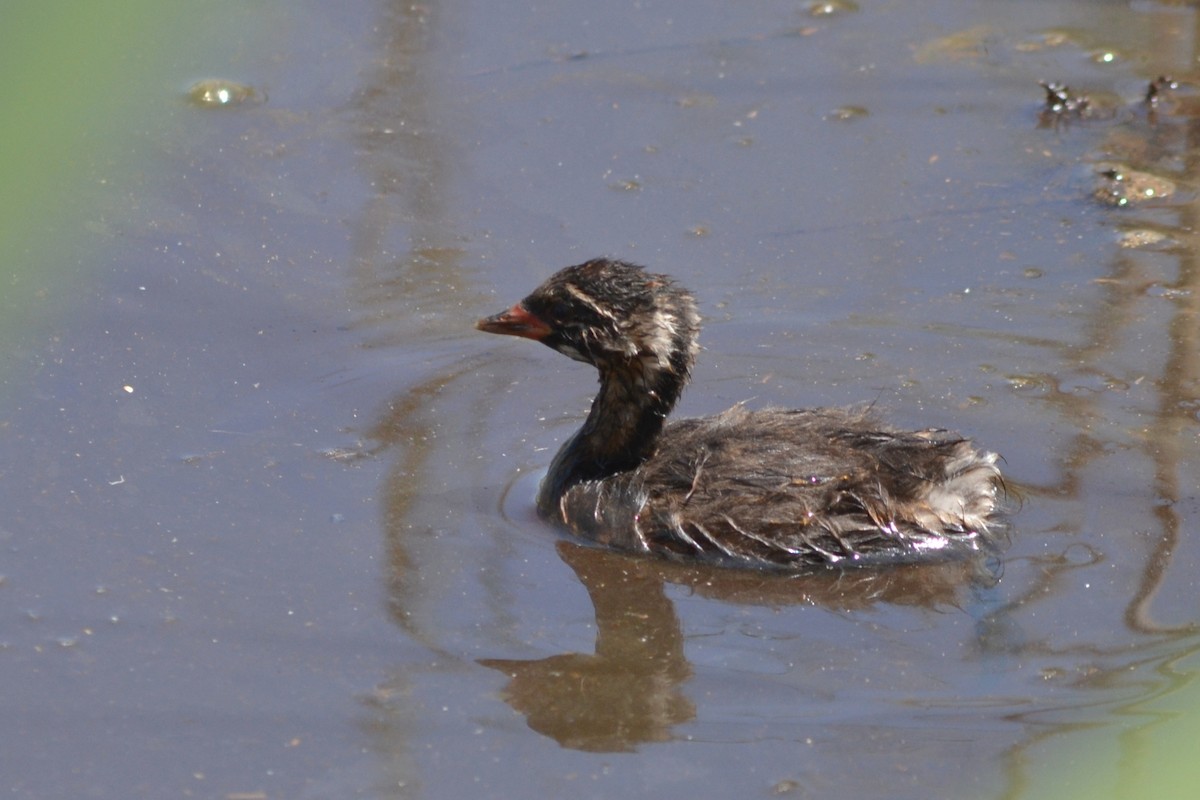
(661, 339)
(653, 341)
(588, 301)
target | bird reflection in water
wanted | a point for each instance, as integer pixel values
(631, 690)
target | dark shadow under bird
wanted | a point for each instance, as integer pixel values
(777, 488)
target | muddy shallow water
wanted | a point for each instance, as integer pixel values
(268, 526)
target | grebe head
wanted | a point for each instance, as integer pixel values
(609, 314)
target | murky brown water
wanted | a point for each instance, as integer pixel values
(268, 526)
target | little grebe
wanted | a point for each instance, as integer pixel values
(773, 488)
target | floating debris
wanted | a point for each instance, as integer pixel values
(1062, 105)
(1160, 87)
(1143, 238)
(346, 455)
(1121, 186)
(220, 93)
(971, 44)
(847, 114)
(829, 8)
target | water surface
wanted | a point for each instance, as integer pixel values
(268, 525)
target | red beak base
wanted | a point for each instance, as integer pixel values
(517, 321)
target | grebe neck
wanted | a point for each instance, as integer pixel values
(621, 430)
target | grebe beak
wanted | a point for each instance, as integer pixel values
(517, 321)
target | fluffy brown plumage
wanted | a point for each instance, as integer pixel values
(772, 488)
